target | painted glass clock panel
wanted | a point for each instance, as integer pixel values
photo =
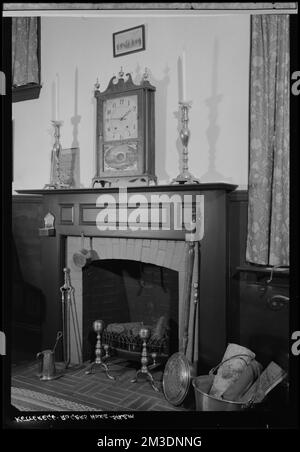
(121, 158)
(120, 116)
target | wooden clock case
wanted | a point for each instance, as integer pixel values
(144, 143)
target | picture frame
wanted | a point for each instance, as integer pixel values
(129, 41)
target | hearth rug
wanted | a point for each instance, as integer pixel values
(27, 400)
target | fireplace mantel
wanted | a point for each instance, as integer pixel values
(134, 189)
(75, 210)
(71, 219)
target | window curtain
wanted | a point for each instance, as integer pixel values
(268, 190)
(25, 64)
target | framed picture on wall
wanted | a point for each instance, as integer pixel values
(129, 41)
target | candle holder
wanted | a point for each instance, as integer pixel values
(55, 177)
(144, 334)
(98, 327)
(185, 176)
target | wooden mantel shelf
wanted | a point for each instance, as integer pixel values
(145, 189)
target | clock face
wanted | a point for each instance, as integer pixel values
(120, 118)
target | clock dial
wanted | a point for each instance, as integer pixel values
(120, 118)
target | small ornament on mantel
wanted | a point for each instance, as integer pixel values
(48, 229)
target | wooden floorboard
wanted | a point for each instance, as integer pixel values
(96, 390)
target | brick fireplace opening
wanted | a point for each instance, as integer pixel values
(132, 293)
(123, 263)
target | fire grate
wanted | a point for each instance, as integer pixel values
(133, 344)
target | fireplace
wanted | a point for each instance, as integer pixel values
(76, 211)
(128, 292)
(133, 280)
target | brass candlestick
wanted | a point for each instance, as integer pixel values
(144, 335)
(98, 326)
(185, 176)
(55, 177)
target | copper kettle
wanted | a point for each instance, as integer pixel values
(46, 366)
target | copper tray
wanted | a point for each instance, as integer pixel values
(177, 378)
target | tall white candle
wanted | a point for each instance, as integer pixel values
(53, 100)
(183, 66)
(57, 98)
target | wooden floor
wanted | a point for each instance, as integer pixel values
(96, 390)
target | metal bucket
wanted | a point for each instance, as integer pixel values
(206, 402)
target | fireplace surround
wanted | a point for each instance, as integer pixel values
(168, 254)
(75, 212)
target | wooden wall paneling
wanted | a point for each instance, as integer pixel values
(251, 319)
(28, 301)
(238, 212)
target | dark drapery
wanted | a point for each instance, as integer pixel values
(25, 59)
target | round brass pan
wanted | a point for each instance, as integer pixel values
(177, 378)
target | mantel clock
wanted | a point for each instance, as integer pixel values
(125, 133)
